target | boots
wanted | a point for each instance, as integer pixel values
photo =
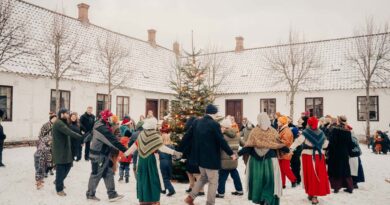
(39, 184)
(120, 178)
(189, 200)
(127, 179)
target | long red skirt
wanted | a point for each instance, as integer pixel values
(315, 176)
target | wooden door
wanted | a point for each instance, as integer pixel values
(234, 108)
(152, 104)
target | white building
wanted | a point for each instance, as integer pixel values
(26, 93)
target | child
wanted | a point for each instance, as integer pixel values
(123, 160)
(166, 161)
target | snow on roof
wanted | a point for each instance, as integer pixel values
(150, 65)
(249, 71)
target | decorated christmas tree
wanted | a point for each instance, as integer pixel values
(193, 94)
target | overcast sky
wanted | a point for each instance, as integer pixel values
(217, 22)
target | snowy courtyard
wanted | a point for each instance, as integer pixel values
(17, 185)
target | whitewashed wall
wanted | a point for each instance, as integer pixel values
(31, 102)
(338, 102)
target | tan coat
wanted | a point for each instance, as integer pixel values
(287, 137)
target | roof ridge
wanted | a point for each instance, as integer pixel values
(100, 27)
(299, 43)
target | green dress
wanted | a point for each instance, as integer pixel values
(261, 181)
(148, 182)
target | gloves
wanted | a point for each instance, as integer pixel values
(177, 155)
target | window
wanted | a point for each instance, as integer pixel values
(101, 103)
(122, 106)
(64, 100)
(268, 106)
(373, 109)
(315, 106)
(164, 108)
(6, 102)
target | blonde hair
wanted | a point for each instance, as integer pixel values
(166, 138)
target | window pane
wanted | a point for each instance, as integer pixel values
(65, 99)
(373, 108)
(5, 102)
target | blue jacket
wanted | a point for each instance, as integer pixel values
(207, 143)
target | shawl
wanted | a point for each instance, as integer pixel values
(316, 139)
(149, 141)
(259, 138)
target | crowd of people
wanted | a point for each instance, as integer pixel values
(323, 154)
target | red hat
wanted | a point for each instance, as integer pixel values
(105, 114)
(313, 123)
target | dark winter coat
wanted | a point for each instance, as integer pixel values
(234, 143)
(2, 135)
(87, 121)
(339, 149)
(103, 140)
(208, 141)
(62, 153)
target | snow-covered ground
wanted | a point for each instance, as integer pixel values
(17, 185)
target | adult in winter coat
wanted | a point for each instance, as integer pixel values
(246, 128)
(229, 166)
(208, 141)
(286, 136)
(2, 138)
(340, 146)
(87, 120)
(74, 124)
(355, 162)
(295, 162)
(62, 153)
(263, 171)
(315, 177)
(102, 144)
(149, 178)
(185, 146)
(43, 153)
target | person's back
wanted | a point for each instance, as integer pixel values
(234, 143)
(206, 150)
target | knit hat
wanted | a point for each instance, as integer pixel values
(165, 127)
(115, 119)
(105, 114)
(126, 119)
(227, 123)
(283, 120)
(313, 123)
(211, 109)
(263, 121)
(62, 111)
(150, 123)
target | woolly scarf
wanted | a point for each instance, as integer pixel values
(260, 138)
(317, 140)
(149, 141)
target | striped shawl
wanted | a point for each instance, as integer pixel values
(149, 141)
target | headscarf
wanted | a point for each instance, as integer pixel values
(105, 114)
(313, 123)
(227, 123)
(150, 123)
(283, 120)
(263, 121)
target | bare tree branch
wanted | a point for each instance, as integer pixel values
(293, 64)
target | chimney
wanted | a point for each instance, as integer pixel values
(83, 13)
(152, 37)
(176, 48)
(239, 44)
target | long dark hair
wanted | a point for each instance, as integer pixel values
(77, 119)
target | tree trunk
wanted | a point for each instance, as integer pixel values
(292, 99)
(367, 113)
(57, 95)
(109, 96)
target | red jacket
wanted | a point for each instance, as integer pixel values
(122, 158)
